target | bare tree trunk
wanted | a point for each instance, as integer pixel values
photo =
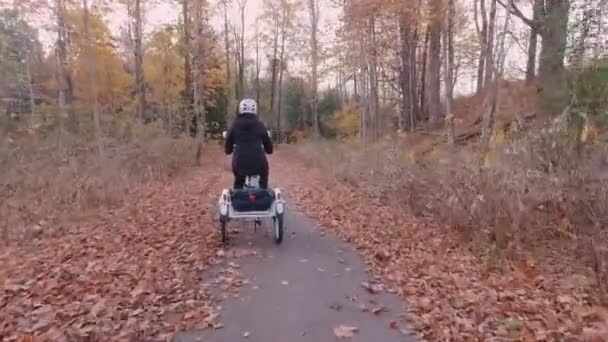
(281, 67)
(199, 79)
(407, 73)
(187, 71)
(140, 87)
(257, 61)
(449, 69)
(414, 109)
(404, 69)
(482, 33)
(364, 90)
(62, 70)
(489, 74)
(533, 44)
(425, 52)
(240, 88)
(488, 117)
(373, 82)
(551, 69)
(274, 62)
(434, 83)
(553, 29)
(28, 70)
(92, 68)
(228, 57)
(313, 8)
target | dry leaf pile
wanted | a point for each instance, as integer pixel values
(450, 292)
(129, 273)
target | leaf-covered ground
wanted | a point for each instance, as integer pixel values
(450, 292)
(128, 273)
(133, 273)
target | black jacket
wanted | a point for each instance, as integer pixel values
(248, 139)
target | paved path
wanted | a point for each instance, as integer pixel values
(300, 291)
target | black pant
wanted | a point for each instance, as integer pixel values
(239, 180)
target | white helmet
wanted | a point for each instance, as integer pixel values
(248, 106)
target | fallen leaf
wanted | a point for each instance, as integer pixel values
(371, 288)
(377, 311)
(344, 331)
(393, 324)
(336, 306)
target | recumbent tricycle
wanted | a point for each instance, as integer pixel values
(252, 203)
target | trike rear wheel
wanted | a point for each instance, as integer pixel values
(278, 228)
(224, 230)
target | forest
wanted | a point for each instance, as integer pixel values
(474, 128)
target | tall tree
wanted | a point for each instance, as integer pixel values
(272, 13)
(63, 78)
(188, 101)
(140, 86)
(408, 83)
(313, 12)
(257, 61)
(225, 4)
(282, 65)
(433, 99)
(489, 54)
(198, 76)
(448, 44)
(92, 69)
(533, 42)
(482, 34)
(552, 26)
(240, 88)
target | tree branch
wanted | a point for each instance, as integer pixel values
(517, 12)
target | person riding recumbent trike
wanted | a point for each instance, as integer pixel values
(252, 203)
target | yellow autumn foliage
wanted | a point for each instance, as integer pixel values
(346, 121)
